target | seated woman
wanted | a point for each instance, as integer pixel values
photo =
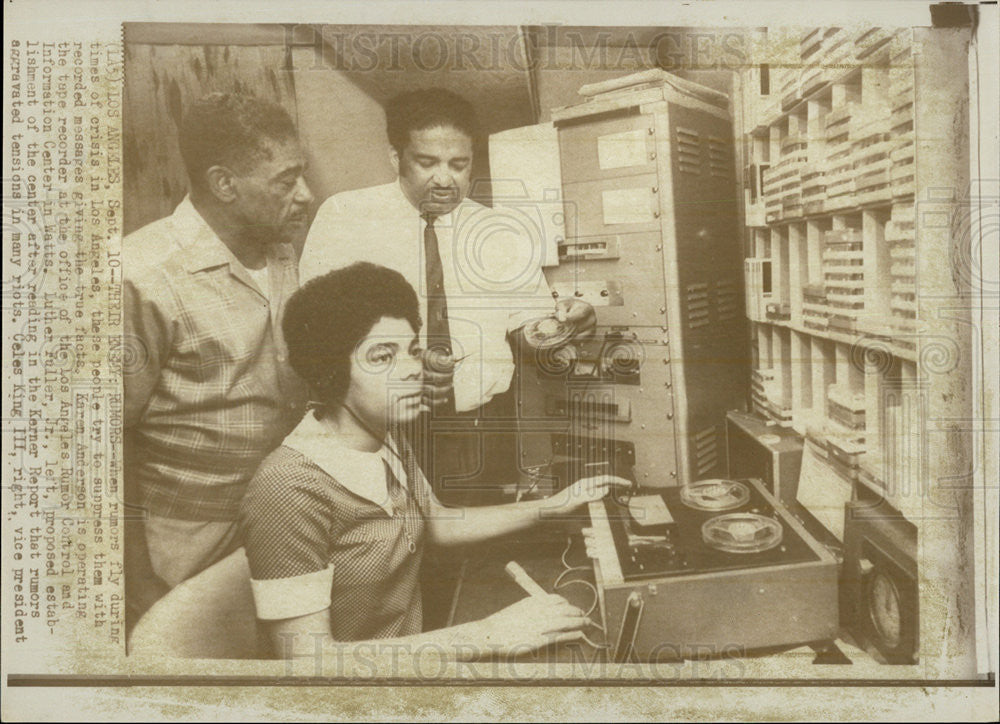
(336, 519)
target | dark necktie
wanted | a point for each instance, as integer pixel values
(438, 333)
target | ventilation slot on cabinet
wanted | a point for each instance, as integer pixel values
(718, 158)
(706, 445)
(697, 305)
(688, 151)
(726, 300)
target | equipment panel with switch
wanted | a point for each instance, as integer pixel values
(652, 243)
(595, 293)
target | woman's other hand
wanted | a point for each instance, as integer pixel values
(531, 623)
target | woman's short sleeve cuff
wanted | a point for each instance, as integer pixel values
(281, 598)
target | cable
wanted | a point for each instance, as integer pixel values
(592, 643)
(566, 565)
(623, 496)
(567, 568)
(558, 582)
(519, 494)
(589, 585)
(535, 474)
(569, 544)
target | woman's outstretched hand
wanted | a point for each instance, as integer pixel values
(586, 490)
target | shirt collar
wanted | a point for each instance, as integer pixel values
(204, 249)
(409, 210)
(363, 473)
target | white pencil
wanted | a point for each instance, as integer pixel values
(525, 581)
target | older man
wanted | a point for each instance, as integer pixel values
(210, 393)
(477, 274)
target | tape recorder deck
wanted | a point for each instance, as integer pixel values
(710, 568)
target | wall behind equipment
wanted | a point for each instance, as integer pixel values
(162, 80)
(336, 101)
(512, 76)
(341, 126)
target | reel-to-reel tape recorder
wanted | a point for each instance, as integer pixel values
(725, 569)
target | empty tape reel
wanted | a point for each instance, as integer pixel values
(742, 533)
(715, 494)
(621, 356)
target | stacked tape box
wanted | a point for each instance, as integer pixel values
(767, 396)
(899, 233)
(901, 154)
(834, 139)
(845, 429)
(844, 277)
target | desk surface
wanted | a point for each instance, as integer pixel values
(484, 588)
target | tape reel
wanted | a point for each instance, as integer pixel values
(548, 332)
(742, 533)
(715, 494)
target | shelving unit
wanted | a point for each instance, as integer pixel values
(832, 171)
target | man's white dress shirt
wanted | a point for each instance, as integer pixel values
(491, 260)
